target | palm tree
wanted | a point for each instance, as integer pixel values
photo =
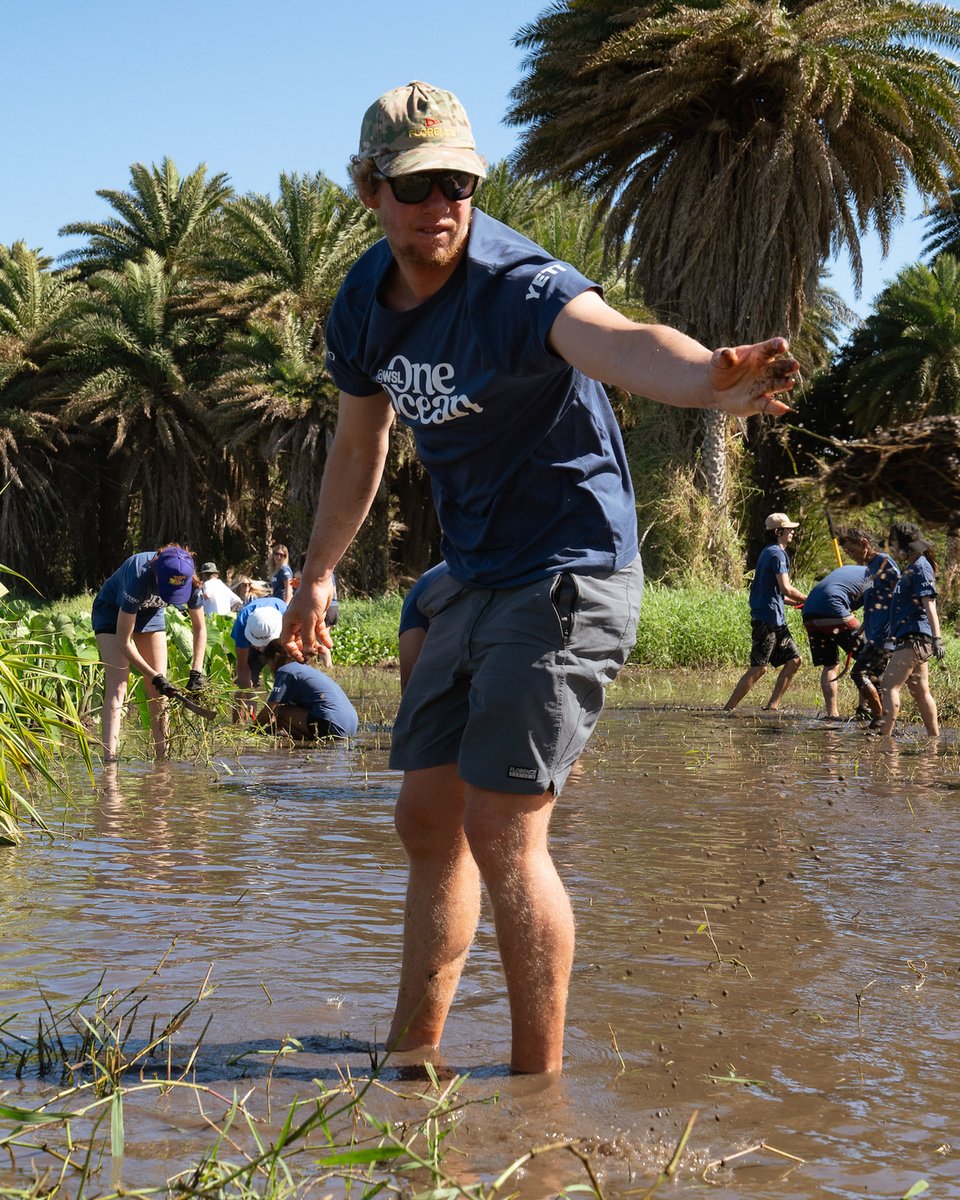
(35, 473)
(275, 412)
(733, 145)
(943, 225)
(163, 212)
(274, 268)
(292, 253)
(912, 367)
(133, 369)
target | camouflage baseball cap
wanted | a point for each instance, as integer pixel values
(419, 128)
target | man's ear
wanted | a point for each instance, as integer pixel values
(371, 200)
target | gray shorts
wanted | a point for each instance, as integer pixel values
(510, 682)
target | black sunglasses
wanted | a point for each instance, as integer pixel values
(415, 188)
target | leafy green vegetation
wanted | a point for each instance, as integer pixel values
(45, 688)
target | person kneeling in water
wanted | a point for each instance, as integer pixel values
(304, 701)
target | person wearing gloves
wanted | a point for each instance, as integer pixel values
(130, 628)
(914, 631)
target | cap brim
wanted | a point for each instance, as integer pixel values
(432, 158)
(176, 595)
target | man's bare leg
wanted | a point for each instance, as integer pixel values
(534, 921)
(790, 668)
(829, 689)
(744, 684)
(442, 905)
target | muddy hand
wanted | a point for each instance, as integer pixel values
(304, 626)
(745, 378)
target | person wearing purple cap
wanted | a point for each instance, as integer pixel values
(130, 628)
(489, 350)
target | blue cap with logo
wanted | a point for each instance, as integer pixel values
(174, 568)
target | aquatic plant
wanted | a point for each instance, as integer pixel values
(334, 1137)
(41, 676)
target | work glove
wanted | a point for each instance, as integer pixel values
(163, 685)
(196, 681)
(938, 651)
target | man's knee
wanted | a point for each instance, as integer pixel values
(502, 829)
(429, 812)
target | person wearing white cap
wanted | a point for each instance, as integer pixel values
(771, 641)
(489, 350)
(256, 624)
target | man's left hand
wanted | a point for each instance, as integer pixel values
(745, 378)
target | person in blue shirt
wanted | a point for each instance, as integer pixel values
(281, 582)
(130, 628)
(415, 621)
(488, 349)
(771, 643)
(914, 635)
(831, 626)
(304, 702)
(256, 624)
(872, 656)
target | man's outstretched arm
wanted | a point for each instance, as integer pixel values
(350, 481)
(666, 365)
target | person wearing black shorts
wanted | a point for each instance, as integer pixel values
(772, 644)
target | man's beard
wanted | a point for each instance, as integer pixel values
(437, 256)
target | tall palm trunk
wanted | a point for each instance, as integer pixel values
(713, 459)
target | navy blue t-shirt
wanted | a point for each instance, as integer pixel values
(837, 594)
(280, 580)
(306, 686)
(411, 615)
(132, 588)
(524, 454)
(882, 576)
(907, 611)
(766, 599)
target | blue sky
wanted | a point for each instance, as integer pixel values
(251, 89)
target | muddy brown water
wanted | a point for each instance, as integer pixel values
(767, 923)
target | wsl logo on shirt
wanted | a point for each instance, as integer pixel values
(424, 393)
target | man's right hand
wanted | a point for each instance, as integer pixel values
(304, 623)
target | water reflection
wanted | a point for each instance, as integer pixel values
(756, 900)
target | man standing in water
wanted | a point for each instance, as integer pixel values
(771, 642)
(488, 349)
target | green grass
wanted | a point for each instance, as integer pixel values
(695, 627)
